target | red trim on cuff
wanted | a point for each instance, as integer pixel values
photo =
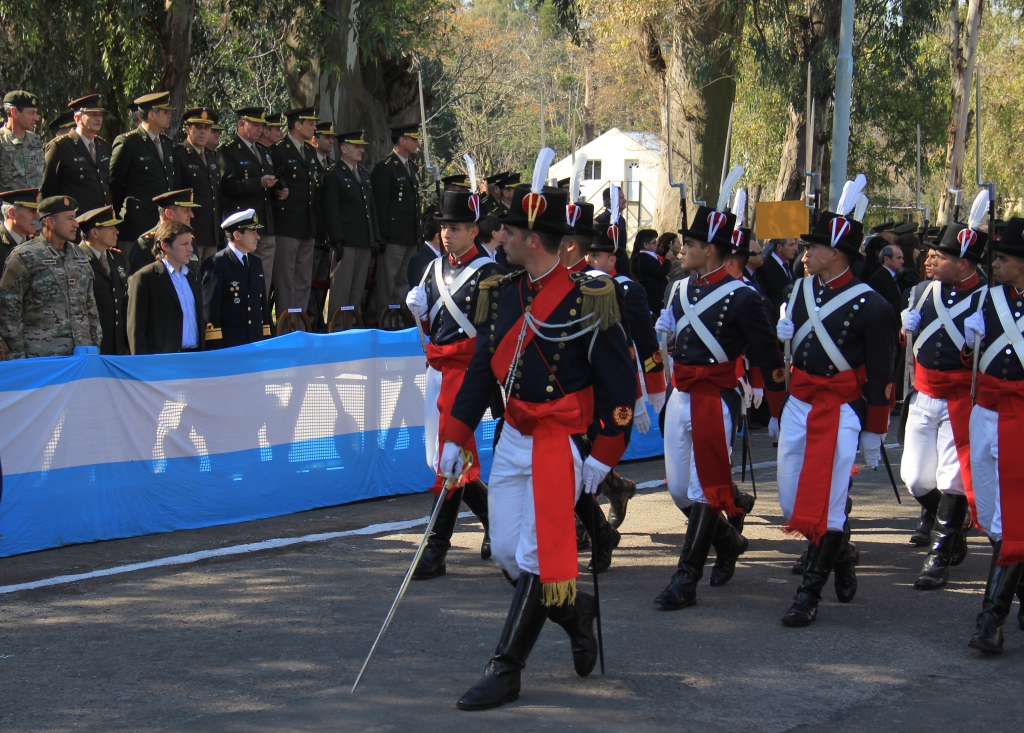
(967, 357)
(775, 398)
(878, 419)
(609, 449)
(639, 388)
(456, 432)
(655, 382)
(903, 338)
(756, 379)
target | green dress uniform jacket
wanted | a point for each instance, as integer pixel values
(240, 174)
(69, 170)
(47, 304)
(348, 206)
(201, 174)
(397, 199)
(137, 173)
(111, 293)
(296, 216)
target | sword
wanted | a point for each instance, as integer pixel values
(665, 356)
(977, 351)
(787, 357)
(888, 469)
(592, 530)
(467, 457)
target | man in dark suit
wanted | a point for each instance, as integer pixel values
(196, 169)
(165, 302)
(396, 196)
(141, 167)
(248, 182)
(883, 280)
(754, 262)
(648, 269)
(110, 281)
(351, 219)
(295, 218)
(78, 164)
(234, 297)
(429, 252)
(776, 274)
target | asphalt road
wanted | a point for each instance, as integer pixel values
(272, 640)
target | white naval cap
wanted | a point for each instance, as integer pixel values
(245, 219)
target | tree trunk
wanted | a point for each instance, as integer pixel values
(962, 54)
(175, 34)
(789, 184)
(700, 109)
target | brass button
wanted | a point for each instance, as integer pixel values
(549, 388)
(551, 377)
(572, 311)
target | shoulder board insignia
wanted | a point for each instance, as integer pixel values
(61, 138)
(598, 298)
(491, 285)
(102, 140)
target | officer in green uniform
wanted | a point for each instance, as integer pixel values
(77, 164)
(19, 220)
(141, 167)
(47, 305)
(110, 276)
(21, 150)
(397, 198)
(195, 168)
(295, 217)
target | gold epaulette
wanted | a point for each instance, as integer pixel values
(598, 298)
(488, 288)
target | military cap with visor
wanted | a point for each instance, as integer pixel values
(27, 197)
(98, 218)
(245, 219)
(182, 197)
(156, 100)
(199, 116)
(353, 137)
(90, 103)
(251, 114)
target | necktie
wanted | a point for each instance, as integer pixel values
(245, 261)
(355, 172)
(408, 168)
(105, 263)
(92, 150)
(159, 149)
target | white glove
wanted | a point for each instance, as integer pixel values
(416, 299)
(758, 397)
(911, 320)
(657, 400)
(666, 321)
(871, 447)
(974, 329)
(773, 428)
(641, 420)
(745, 391)
(451, 460)
(593, 474)
(785, 329)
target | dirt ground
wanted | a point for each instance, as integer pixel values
(272, 640)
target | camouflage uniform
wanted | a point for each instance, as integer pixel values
(21, 161)
(47, 305)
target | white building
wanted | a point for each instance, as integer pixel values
(627, 159)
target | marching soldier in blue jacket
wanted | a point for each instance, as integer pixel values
(234, 296)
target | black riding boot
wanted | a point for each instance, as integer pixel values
(929, 502)
(475, 497)
(1003, 582)
(431, 564)
(618, 491)
(682, 590)
(821, 558)
(526, 617)
(960, 547)
(949, 524)
(578, 622)
(602, 536)
(745, 502)
(846, 562)
(800, 565)
(729, 544)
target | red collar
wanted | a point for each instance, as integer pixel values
(555, 274)
(613, 273)
(578, 267)
(463, 258)
(714, 277)
(1014, 292)
(969, 283)
(839, 282)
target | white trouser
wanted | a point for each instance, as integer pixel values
(680, 470)
(432, 416)
(930, 460)
(513, 525)
(793, 437)
(985, 469)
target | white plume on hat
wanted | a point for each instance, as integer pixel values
(739, 207)
(979, 210)
(540, 169)
(851, 193)
(727, 186)
(613, 195)
(861, 208)
(576, 179)
(471, 171)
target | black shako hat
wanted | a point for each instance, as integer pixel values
(839, 232)
(711, 226)
(539, 212)
(961, 241)
(459, 204)
(580, 216)
(741, 241)
(1011, 239)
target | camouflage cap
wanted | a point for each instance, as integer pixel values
(56, 205)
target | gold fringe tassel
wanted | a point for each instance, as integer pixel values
(600, 301)
(483, 298)
(562, 593)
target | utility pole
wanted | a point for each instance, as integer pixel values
(543, 139)
(841, 115)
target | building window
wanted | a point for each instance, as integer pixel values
(592, 171)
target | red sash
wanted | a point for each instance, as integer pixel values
(554, 476)
(548, 298)
(826, 396)
(1007, 398)
(704, 384)
(452, 360)
(955, 388)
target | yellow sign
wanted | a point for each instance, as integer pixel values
(781, 219)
